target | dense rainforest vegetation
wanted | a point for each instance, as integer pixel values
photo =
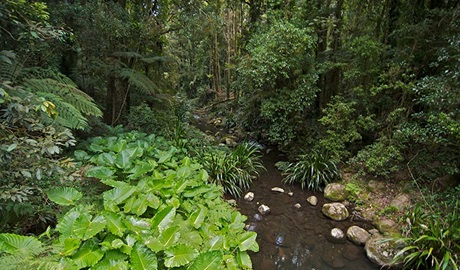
(97, 97)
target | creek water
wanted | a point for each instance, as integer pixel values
(290, 238)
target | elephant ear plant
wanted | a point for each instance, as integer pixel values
(158, 212)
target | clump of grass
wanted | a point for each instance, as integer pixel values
(313, 171)
(432, 234)
(234, 170)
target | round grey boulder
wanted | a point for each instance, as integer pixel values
(358, 235)
(335, 192)
(335, 211)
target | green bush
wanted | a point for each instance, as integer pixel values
(233, 171)
(432, 234)
(312, 171)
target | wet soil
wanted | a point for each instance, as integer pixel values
(291, 238)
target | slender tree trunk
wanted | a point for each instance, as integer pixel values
(228, 39)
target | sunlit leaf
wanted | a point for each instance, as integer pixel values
(114, 223)
(179, 255)
(163, 218)
(88, 255)
(197, 218)
(64, 195)
(143, 259)
(247, 241)
(210, 260)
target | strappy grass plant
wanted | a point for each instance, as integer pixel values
(313, 171)
(432, 234)
(233, 171)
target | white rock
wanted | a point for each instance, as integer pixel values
(290, 193)
(297, 205)
(312, 200)
(249, 196)
(263, 209)
(278, 189)
(337, 233)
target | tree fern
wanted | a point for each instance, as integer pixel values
(140, 81)
(71, 103)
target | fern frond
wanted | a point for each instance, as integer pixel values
(139, 81)
(9, 70)
(68, 116)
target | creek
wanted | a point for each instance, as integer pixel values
(291, 238)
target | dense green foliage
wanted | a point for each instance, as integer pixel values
(158, 212)
(372, 83)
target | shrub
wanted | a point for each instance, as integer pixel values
(312, 171)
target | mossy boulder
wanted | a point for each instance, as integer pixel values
(335, 192)
(381, 250)
(358, 235)
(335, 211)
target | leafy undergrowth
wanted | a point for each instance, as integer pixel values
(159, 212)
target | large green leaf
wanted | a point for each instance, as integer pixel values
(88, 255)
(197, 218)
(114, 223)
(124, 159)
(86, 228)
(179, 255)
(69, 246)
(106, 159)
(210, 260)
(163, 218)
(136, 205)
(118, 195)
(100, 172)
(247, 241)
(67, 223)
(170, 236)
(143, 259)
(64, 195)
(18, 244)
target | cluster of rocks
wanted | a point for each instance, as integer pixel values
(379, 248)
